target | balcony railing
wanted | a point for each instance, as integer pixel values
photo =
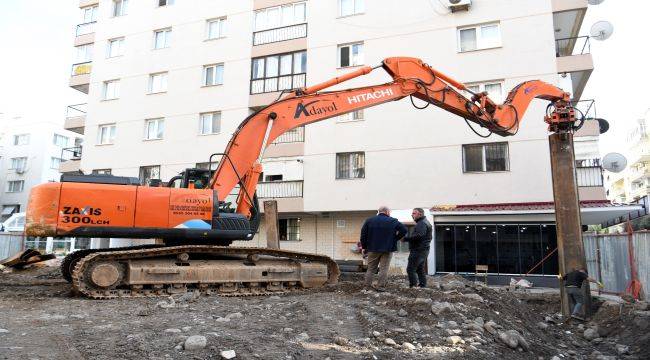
(280, 189)
(589, 172)
(578, 45)
(82, 68)
(75, 110)
(291, 136)
(86, 28)
(71, 153)
(279, 83)
(587, 107)
(280, 34)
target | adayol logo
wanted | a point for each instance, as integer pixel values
(310, 109)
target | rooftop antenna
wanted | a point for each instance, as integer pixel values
(614, 162)
(601, 30)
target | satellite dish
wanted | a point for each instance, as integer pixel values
(614, 162)
(601, 30)
(595, 2)
(603, 125)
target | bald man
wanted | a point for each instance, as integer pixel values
(379, 236)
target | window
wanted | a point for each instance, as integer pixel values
(289, 229)
(147, 173)
(216, 28)
(22, 139)
(486, 157)
(356, 115)
(279, 16)
(157, 83)
(493, 89)
(165, 2)
(269, 178)
(350, 55)
(210, 123)
(83, 53)
(102, 171)
(351, 7)
(278, 72)
(60, 140)
(213, 75)
(115, 47)
(55, 163)
(162, 38)
(479, 37)
(120, 7)
(207, 165)
(89, 14)
(8, 210)
(106, 134)
(111, 89)
(351, 165)
(18, 163)
(15, 186)
(154, 129)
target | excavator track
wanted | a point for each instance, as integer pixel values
(207, 269)
(70, 260)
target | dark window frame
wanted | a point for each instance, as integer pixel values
(264, 78)
(484, 163)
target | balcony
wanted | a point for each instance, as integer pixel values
(637, 174)
(75, 118)
(574, 63)
(288, 194)
(280, 34)
(289, 144)
(70, 160)
(80, 76)
(278, 83)
(589, 176)
(85, 33)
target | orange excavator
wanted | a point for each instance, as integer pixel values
(197, 226)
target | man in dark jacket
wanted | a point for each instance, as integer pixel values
(379, 235)
(573, 285)
(419, 244)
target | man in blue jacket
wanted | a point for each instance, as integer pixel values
(379, 236)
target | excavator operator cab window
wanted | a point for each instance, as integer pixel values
(196, 178)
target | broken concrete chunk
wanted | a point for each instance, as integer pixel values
(402, 312)
(590, 334)
(455, 340)
(390, 342)
(408, 346)
(441, 307)
(228, 354)
(195, 342)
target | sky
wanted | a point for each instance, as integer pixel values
(37, 55)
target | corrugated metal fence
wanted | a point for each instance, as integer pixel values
(608, 260)
(10, 245)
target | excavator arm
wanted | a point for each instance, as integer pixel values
(411, 77)
(100, 206)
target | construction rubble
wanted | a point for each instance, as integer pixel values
(451, 319)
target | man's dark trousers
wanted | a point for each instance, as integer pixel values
(416, 267)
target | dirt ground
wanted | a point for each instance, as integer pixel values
(453, 319)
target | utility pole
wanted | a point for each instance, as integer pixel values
(271, 221)
(571, 252)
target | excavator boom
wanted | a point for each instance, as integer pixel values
(195, 224)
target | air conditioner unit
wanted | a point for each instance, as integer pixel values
(457, 5)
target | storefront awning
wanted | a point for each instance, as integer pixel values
(592, 211)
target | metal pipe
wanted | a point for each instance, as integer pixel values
(337, 80)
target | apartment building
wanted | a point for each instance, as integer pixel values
(168, 82)
(31, 152)
(633, 182)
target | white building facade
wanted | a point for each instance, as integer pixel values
(168, 82)
(32, 152)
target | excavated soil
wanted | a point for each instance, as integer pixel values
(453, 319)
